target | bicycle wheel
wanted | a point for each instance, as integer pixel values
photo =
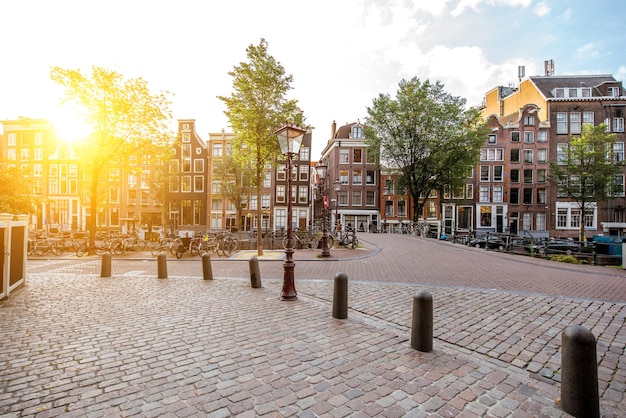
(117, 248)
(81, 250)
(354, 242)
(330, 241)
(180, 249)
(140, 245)
(314, 242)
(156, 249)
(286, 243)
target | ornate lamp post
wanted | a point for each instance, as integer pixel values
(337, 190)
(290, 138)
(321, 172)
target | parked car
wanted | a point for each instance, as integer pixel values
(490, 241)
(560, 246)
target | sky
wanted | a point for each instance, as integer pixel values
(342, 54)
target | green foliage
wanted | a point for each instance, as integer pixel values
(125, 118)
(587, 174)
(16, 197)
(427, 135)
(255, 109)
(563, 258)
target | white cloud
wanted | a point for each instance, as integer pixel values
(542, 9)
(474, 5)
(587, 51)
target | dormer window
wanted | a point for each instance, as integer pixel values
(562, 93)
(357, 132)
(613, 91)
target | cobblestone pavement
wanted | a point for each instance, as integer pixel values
(76, 344)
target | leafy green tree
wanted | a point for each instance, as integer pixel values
(17, 197)
(124, 118)
(255, 109)
(586, 173)
(426, 135)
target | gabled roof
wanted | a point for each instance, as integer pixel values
(546, 84)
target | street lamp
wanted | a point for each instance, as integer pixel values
(290, 138)
(321, 172)
(337, 190)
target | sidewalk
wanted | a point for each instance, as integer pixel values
(76, 344)
(136, 346)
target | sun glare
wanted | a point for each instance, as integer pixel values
(69, 126)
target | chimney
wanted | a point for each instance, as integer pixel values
(333, 129)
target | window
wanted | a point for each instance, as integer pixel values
(343, 177)
(529, 120)
(515, 176)
(561, 123)
(497, 194)
(498, 171)
(569, 216)
(389, 208)
(618, 125)
(114, 194)
(185, 184)
(492, 139)
(618, 151)
(542, 176)
(515, 136)
(529, 137)
(484, 194)
(25, 154)
(561, 154)
(303, 194)
(280, 193)
(588, 118)
(370, 198)
(491, 154)
(542, 135)
(186, 137)
(37, 170)
(540, 219)
(469, 191)
(528, 156)
(357, 177)
(574, 123)
(11, 154)
(542, 155)
(198, 183)
(401, 208)
(344, 156)
(514, 198)
(38, 154)
(173, 166)
(370, 177)
(528, 176)
(343, 198)
(186, 151)
(198, 166)
(174, 183)
(304, 172)
(265, 201)
(614, 91)
(484, 173)
(357, 199)
(12, 140)
(216, 187)
(559, 93)
(267, 180)
(304, 153)
(357, 155)
(217, 149)
(528, 196)
(280, 172)
(357, 132)
(515, 156)
(541, 196)
(618, 187)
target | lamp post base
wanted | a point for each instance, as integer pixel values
(289, 287)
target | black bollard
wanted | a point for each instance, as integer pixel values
(255, 273)
(579, 373)
(162, 266)
(207, 271)
(422, 329)
(105, 268)
(340, 296)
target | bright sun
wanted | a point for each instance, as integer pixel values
(69, 125)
